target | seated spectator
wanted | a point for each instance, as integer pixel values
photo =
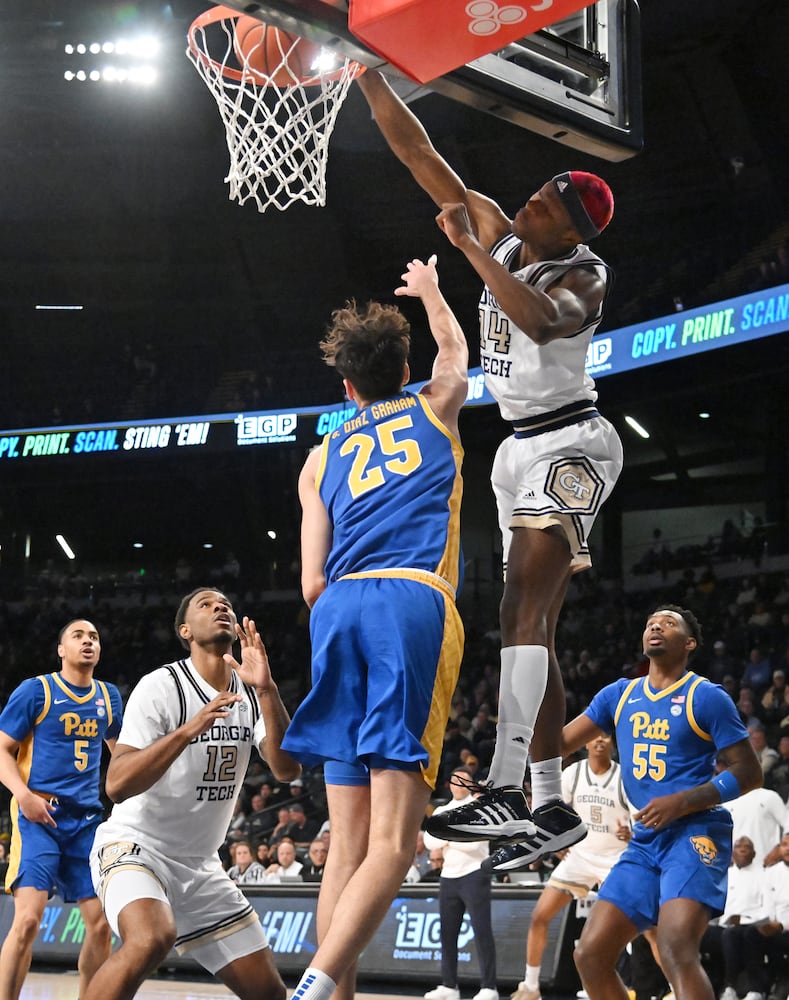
(775, 701)
(433, 874)
(261, 820)
(750, 713)
(768, 757)
(300, 829)
(758, 672)
(744, 948)
(721, 664)
(280, 829)
(245, 870)
(286, 866)
(312, 870)
(778, 778)
(776, 930)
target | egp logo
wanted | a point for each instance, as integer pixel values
(487, 17)
(265, 428)
(416, 929)
(598, 354)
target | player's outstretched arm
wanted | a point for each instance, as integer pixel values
(578, 733)
(448, 385)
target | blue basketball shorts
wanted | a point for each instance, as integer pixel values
(688, 860)
(54, 859)
(386, 655)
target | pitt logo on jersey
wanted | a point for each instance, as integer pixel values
(648, 728)
(74, 725)
(705, 848)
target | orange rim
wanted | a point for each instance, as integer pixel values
(219, 13)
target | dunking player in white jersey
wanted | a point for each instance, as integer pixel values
(543, 298)
(183, 752)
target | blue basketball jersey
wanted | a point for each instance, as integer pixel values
(667, 740)
(60, 729)
(390, 480)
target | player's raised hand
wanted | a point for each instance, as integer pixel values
(453, 220)
(419, 278)
(254, 666)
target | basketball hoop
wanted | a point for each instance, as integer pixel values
(278, 119)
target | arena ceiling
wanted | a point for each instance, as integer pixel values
(113, 197)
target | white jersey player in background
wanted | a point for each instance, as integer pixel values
(181, 756)
(542, 302)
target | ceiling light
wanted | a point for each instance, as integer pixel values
(65, 546)
(704, 415)
(68, 49)
(208, 545)
(271, 534)
(136, 545)
(45, 308)
(632, 422)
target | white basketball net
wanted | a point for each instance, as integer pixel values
(277, 137)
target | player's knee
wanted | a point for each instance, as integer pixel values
(26, 925)
(585, 958)
(98, 932)
(153, 944)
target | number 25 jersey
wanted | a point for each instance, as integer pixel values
(390, 480)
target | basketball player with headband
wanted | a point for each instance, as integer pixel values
(542, 302)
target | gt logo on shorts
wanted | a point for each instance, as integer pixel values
(110, 854)
(575, 485)
(705, 848)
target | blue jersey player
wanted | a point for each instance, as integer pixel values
(669, 725)
(51, 735)
(380, 566)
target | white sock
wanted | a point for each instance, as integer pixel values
(524, 674)
(546, 781)
(314, 985)
(532, 978)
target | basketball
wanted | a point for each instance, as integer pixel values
(274, 55)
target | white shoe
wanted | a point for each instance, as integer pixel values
(582, 995)
(729, 994)
(443, 993)
(524, 993)
(485, 994)
(753, 995)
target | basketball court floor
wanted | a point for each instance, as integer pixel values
(63, 985)
(60, 984)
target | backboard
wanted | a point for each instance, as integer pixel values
(577, 82)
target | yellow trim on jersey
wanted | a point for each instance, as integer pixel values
(417, 575)
(15, 850)
(107, 701)
(448, 564)
(623, 698)
(691, 717)
(657, 695)
(80, 699)
(47, 700)
(431, 416)
(447, 672)
(322, 461)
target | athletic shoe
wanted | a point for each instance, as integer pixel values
(729, 994)
(753, 995)
(557, 826)
(443, 993)
(486, 994)
(496, 814)
(524, 993)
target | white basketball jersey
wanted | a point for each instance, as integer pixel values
(599, 799)
(524, 378)
(188, 810)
